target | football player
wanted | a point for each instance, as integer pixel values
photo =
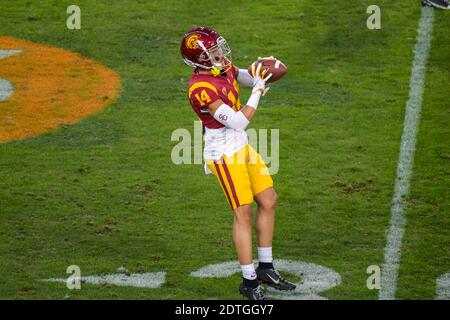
(213, 93)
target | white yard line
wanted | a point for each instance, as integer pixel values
(406, 158)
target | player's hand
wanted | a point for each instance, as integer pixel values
(260, 78)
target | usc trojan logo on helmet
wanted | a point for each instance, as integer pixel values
(192, 41)
(43, 87)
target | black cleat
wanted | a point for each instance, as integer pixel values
(272, 278)
(252, 293)
(441, 4)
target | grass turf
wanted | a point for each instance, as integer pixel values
(104, 193)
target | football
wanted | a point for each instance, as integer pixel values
(275, 66)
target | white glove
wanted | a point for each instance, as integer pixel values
(260, 78)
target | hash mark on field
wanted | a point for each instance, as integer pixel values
(392, 252)
(138, 280)
(443, 287)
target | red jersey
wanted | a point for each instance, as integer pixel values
(204, 89)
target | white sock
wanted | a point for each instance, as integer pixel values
(248, 271)
(265, 254)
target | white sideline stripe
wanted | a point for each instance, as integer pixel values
(406, 158)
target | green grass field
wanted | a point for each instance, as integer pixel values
(104, 193)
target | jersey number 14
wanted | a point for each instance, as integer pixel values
(203, 98)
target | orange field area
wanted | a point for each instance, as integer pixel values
(52, 86)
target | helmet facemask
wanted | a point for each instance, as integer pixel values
(218, 55)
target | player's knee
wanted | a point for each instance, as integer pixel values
(272, 203)
(269, 202)
(243, 215)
